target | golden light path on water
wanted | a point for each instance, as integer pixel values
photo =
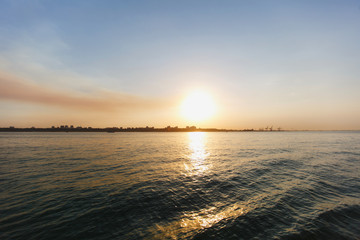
(197, 164)
(192, 222)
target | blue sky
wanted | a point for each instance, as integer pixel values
(293, 64)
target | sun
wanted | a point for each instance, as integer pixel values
(198, 106)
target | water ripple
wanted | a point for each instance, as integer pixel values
(180, 185)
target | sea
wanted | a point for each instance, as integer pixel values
(219, 185)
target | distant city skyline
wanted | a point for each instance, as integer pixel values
(288, 64)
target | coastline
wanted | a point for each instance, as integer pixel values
(152, 129)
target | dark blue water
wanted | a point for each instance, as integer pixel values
(275, 185)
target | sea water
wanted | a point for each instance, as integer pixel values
(235, 185)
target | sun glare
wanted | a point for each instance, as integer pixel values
(198, 106)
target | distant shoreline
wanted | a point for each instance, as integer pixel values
(147, 129)
(120, 129)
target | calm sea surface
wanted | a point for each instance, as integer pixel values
(274, 185)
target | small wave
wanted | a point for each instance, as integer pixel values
(339, 223)
(191, 223)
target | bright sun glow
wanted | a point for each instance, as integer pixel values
(198, 106)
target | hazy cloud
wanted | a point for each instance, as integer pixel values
(16, 89)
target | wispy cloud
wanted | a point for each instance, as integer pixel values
(16, 89)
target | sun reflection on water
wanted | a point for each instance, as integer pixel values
(193, 222)
(198, 156)
(189, 223)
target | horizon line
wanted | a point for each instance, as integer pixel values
(71, 128)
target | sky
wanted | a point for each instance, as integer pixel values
(289, 64)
